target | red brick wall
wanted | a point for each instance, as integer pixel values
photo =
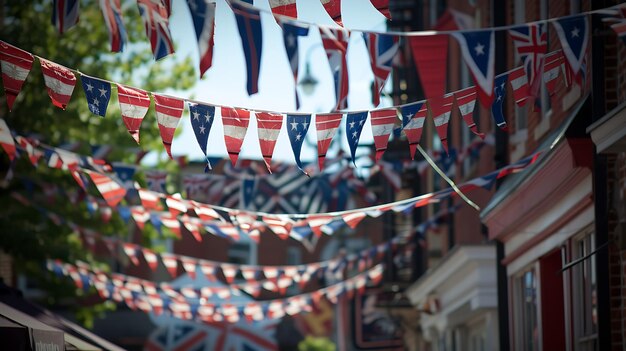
(617, 253)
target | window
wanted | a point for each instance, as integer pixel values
(526, 317)
(239, 253)
(294, 257)
(584, 294)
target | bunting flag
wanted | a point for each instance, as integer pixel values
(383, 122)
(168, 113)
(235, 122)
(291, 32)
(151, 258)
(478, 49)
(65, 14)
(202, 117)
(441, 108)
(6, 140)
(250, 31)
(16, 64)
(413, 117)
(268, 127)
(98, 94)
(110, 190)
(335, 41)
(499, 91)
(140, 216)
(171, 263)
(466, 101)
(333, 8)
(284, 8)
(125, 174)
(131, 251)
(382, 49)
(519, 83)
(551, 70)
(155, 17)
(297, 127)
(190, 266)
(531, 44)
(156, 180)
(112, 12)
(326, 125)
(203, 17)
(134, 104)
(383, 7)
(430, 54)
(60, 82)
(354, 126)
(573, 32)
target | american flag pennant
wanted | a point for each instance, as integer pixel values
(168, 113)
(110, 190)
(175, 204)
(171, 223)
(65, 14)
(187, 291)
(326, 125)
(531, 44)
(297, 127)
(190, 265)
(316, 222)
(60, 82)
(151, 258)
(573, 31)
(552, 69)
(249, 274)
(383, 122)
(253, 312)
(413, 118)
(333, 8)
(193, 227)
(291, 32)
(134, 104)
(441, 108)
(499, 92)
(382, 49)
(229, 271)
(171, 263)
(354, 126)
(478, 49)
(155, 219)
(112, 12)
(430, 54)
(250, 31)
(16, 64)
(131, 251)
(268, 127)
(519, 83)
(208, 269)
(140, 216)
(224, 230)
(284, 8)
(149, 199)
(97, 93)
(202, 117)
(353, 219)
(466, 101)
(6, 140)
(280, 226)
(125, 174)
(203, 17)
(335, 42)
(204, 212)
(235, 122)
(155, 17)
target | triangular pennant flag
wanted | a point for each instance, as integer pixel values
(111, 191)
(235, 122)
(203, 17)
(466, 101)
(251, 34)
(155, 17)
(149, 199)
(249, 274)
(134, 104)
(297, 127)
(326, 125)
(202, 117)
(60, 82)
(335, 41)
(383, 7)
(189, 264)
(193, 227)
(171, 263)
(175, 204)
(112, 12)
(151, 258)
(131, 251)
(430, 54)
(413, 118)
(499, 91)
(354, 126)
(208, 269)
(140, 216)
(552, 69)
(6, 140)
(531, 44)
(519, 84)
(478, 49)
(65, 14)
(125, 173)
(98, 94)
(284, 8)
(291, 32)
(230, 271)
(333, 8)
(352, 219)
(280, 226)
(573, 32)
(382, 49)
(268, 127)
(168, 113)
(383, 122)
(441, 108)
(316, 222)
(16, 64)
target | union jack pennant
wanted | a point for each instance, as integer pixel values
(413, 117)
(531, 43)
(291, 32)
(134, 104)
(250, 31)
(112, 12)
(235, 122)
(297, 127)
(269, 125)
(65, 14)
(327, 125)
(478, 49)
(203, 16)
(335, 41)
(382, 49)
(383, 122)
(202, 117)
(155, 18)
(16, 64)
(354, 126)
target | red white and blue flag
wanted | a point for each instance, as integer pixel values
(552, 70)
(531, 43)
(478, 49)
(519, 83)
(155, 18)
(441, 109)
(382, 49)
(383, 122)
(65, 14)
(413, 118)
(327, 125)
(250, 31)
(60, 82)
(179, 337)
(134, 104)
(291, 32)
(333, 8)
(110, 190)
(202, 117)
(235, 121)
(382, 6)
(168, 113)
(112, 12)
(466, 101)
(284, 7)
(499, 92)
(268, 127)
(156, 180)
(97, 93)
(354, 126)
(203, 16)
(6, 139)
(297, 127)
(16, 64)
(574, 35)
(335, 41)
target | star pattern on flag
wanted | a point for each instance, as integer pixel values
(354, 126)
(98, 94)
(298, 127)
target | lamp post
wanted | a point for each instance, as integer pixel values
(308, 83)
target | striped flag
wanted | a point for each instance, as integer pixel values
(269, 125)
(327, 125)
(335, 41)
(466, 101)
(383, 122)
(551, 70)
(155, 17)
(441, 109)
(284, 8)
(60, 82)
(6, 140)
(16, 64)
(235, 122)
(250, 31)
(150, 257)
(413, 117)
(111, 191)
(382, 49)
(112, 12)
(168, 113)
(203, 16)
(333, 8)
(65, 14)
(134, 104)
(171, 263)
(519, 83)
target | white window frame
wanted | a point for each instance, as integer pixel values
(582, 337)
(518, 314)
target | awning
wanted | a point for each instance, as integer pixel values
(14, 336)
(42, 336)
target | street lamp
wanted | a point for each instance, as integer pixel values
(308, 83)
